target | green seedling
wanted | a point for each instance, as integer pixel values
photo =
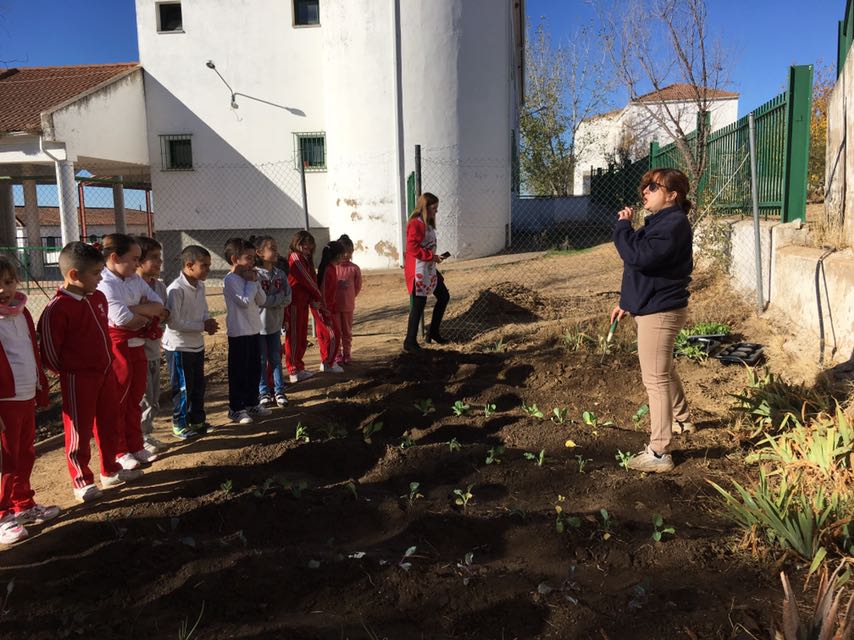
(425, 406)
(406, 440)
(404, 563)
(606, 523)
(563, 519)
(463, 497)
(532, 410)
(261, 491)
(493, 456)
(659, 528)
(582, 462)
(592, 420)
(302, 433)
(464, 567)
(184, 631)
(351, 487)
(413, 493)
(370, 429)
(575, 339)
(488, 410)
(460, 408)
(498, 347)
(227, 486)
(559, 415)
(536, 457)
(640, 413)
(333, 431)
(296, 488)
(623, 459)
(454, 444)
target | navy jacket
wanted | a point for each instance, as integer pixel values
(657, 262)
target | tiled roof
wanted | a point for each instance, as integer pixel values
(100, 216)
(26, 92)
(684, 92)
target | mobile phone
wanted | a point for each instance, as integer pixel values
(447, 254)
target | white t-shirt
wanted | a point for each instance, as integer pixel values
(124, 293)
(15, 337)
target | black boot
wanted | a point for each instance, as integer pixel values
(416, 309)
(442, 297)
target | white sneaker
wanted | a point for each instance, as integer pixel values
(651, 462)
(299, 376)
(240, 417)
(682, 426)
(128, 461)
(11, 531)
(153, 445)
(124, 475)
(145, 456)
(258, 410)
(88, 493)
(331, 368)
(37, 514)
(281, 400)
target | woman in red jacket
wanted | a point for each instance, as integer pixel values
(422, 276)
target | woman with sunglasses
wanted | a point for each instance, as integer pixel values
(657, 265)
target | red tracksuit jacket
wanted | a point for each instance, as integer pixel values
(303, 280)
(7, 378)
(75, 334)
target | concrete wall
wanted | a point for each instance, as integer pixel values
(839, 176)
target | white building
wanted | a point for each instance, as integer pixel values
(601, 139)
(354, 84)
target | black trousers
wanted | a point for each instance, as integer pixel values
(416, 310)
(187, 378)
(244, 372)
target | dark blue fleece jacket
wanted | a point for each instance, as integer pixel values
(657, 262)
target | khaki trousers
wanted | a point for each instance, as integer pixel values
(656, 335)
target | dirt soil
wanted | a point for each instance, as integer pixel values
(261, 535)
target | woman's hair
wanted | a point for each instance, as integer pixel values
(332, 251)
(8, 266)
(425, 200)
(345, 240)
(300, 238)
(147, 245)
(673, 180)
(118, 243)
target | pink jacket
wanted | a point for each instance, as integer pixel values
(349, 285)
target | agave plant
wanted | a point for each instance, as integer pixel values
(824, 624)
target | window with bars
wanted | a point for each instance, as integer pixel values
(306, 13)
(176, 152)
(169, 17)
(312, 150)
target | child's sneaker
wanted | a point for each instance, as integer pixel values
(153, 445)
(37, 514)
(299, 376)
(124, 475)
(240, 417)
(183, 432)
(88, 493)
(331, 368)
(145, 456)
(128, 461)
(281, 400)
(258, 410)
(11, 531)
(199, 428)
(651, 462)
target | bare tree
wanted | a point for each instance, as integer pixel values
(564, 85)
(654, 44)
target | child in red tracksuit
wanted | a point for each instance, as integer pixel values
(328, 330)
(23, 385)
(305, 295)
(349, 285)
(133, 307)
(75, 343)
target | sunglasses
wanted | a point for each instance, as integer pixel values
(654, 186)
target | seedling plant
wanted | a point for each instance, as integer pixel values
(606, 523)
(404, 563)
(302, 433)
(532, 410)
(623, 459)
(582, 462)
(413, 493)
(563, 519)
(659, 528)
(463, 497)
(538, 458)
(406, 440)
(640, 413)
(454, 445)
(488, 410)
(227, 486)
(370, 429)
(592, 420)
(493, 456)
(559, 415)
(425, 406)
(185, 632)
(460, 408)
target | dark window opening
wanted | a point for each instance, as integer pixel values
(169, 17)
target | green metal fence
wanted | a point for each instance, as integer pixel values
(782, 148)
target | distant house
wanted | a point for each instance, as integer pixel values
(626, 133)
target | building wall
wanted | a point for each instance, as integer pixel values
(338, 78)
(839, 176)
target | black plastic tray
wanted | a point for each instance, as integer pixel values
(748, 353)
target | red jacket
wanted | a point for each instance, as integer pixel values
(415, 232)
(303, 280)
(330, 287)
(7, 377)
(75, 335)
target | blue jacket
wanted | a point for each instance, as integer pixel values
(657, 262)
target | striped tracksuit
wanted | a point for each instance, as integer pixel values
(305, 295)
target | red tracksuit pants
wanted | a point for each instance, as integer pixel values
(131, 368)
(296, 320)
(90, 404)
(328, 336)
(17, 455)
(345, 326)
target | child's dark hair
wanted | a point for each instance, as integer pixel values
(118, 243)
(348, 244)
(80, 256)
(193, 253)
(147, 245)
(300, 238)
(260, 242)
(332, 251)
(236, 247)
(8, 265)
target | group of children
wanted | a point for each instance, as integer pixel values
(102, 334)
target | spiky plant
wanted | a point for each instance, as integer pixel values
(824, 624)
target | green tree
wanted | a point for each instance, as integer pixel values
(823, 83)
